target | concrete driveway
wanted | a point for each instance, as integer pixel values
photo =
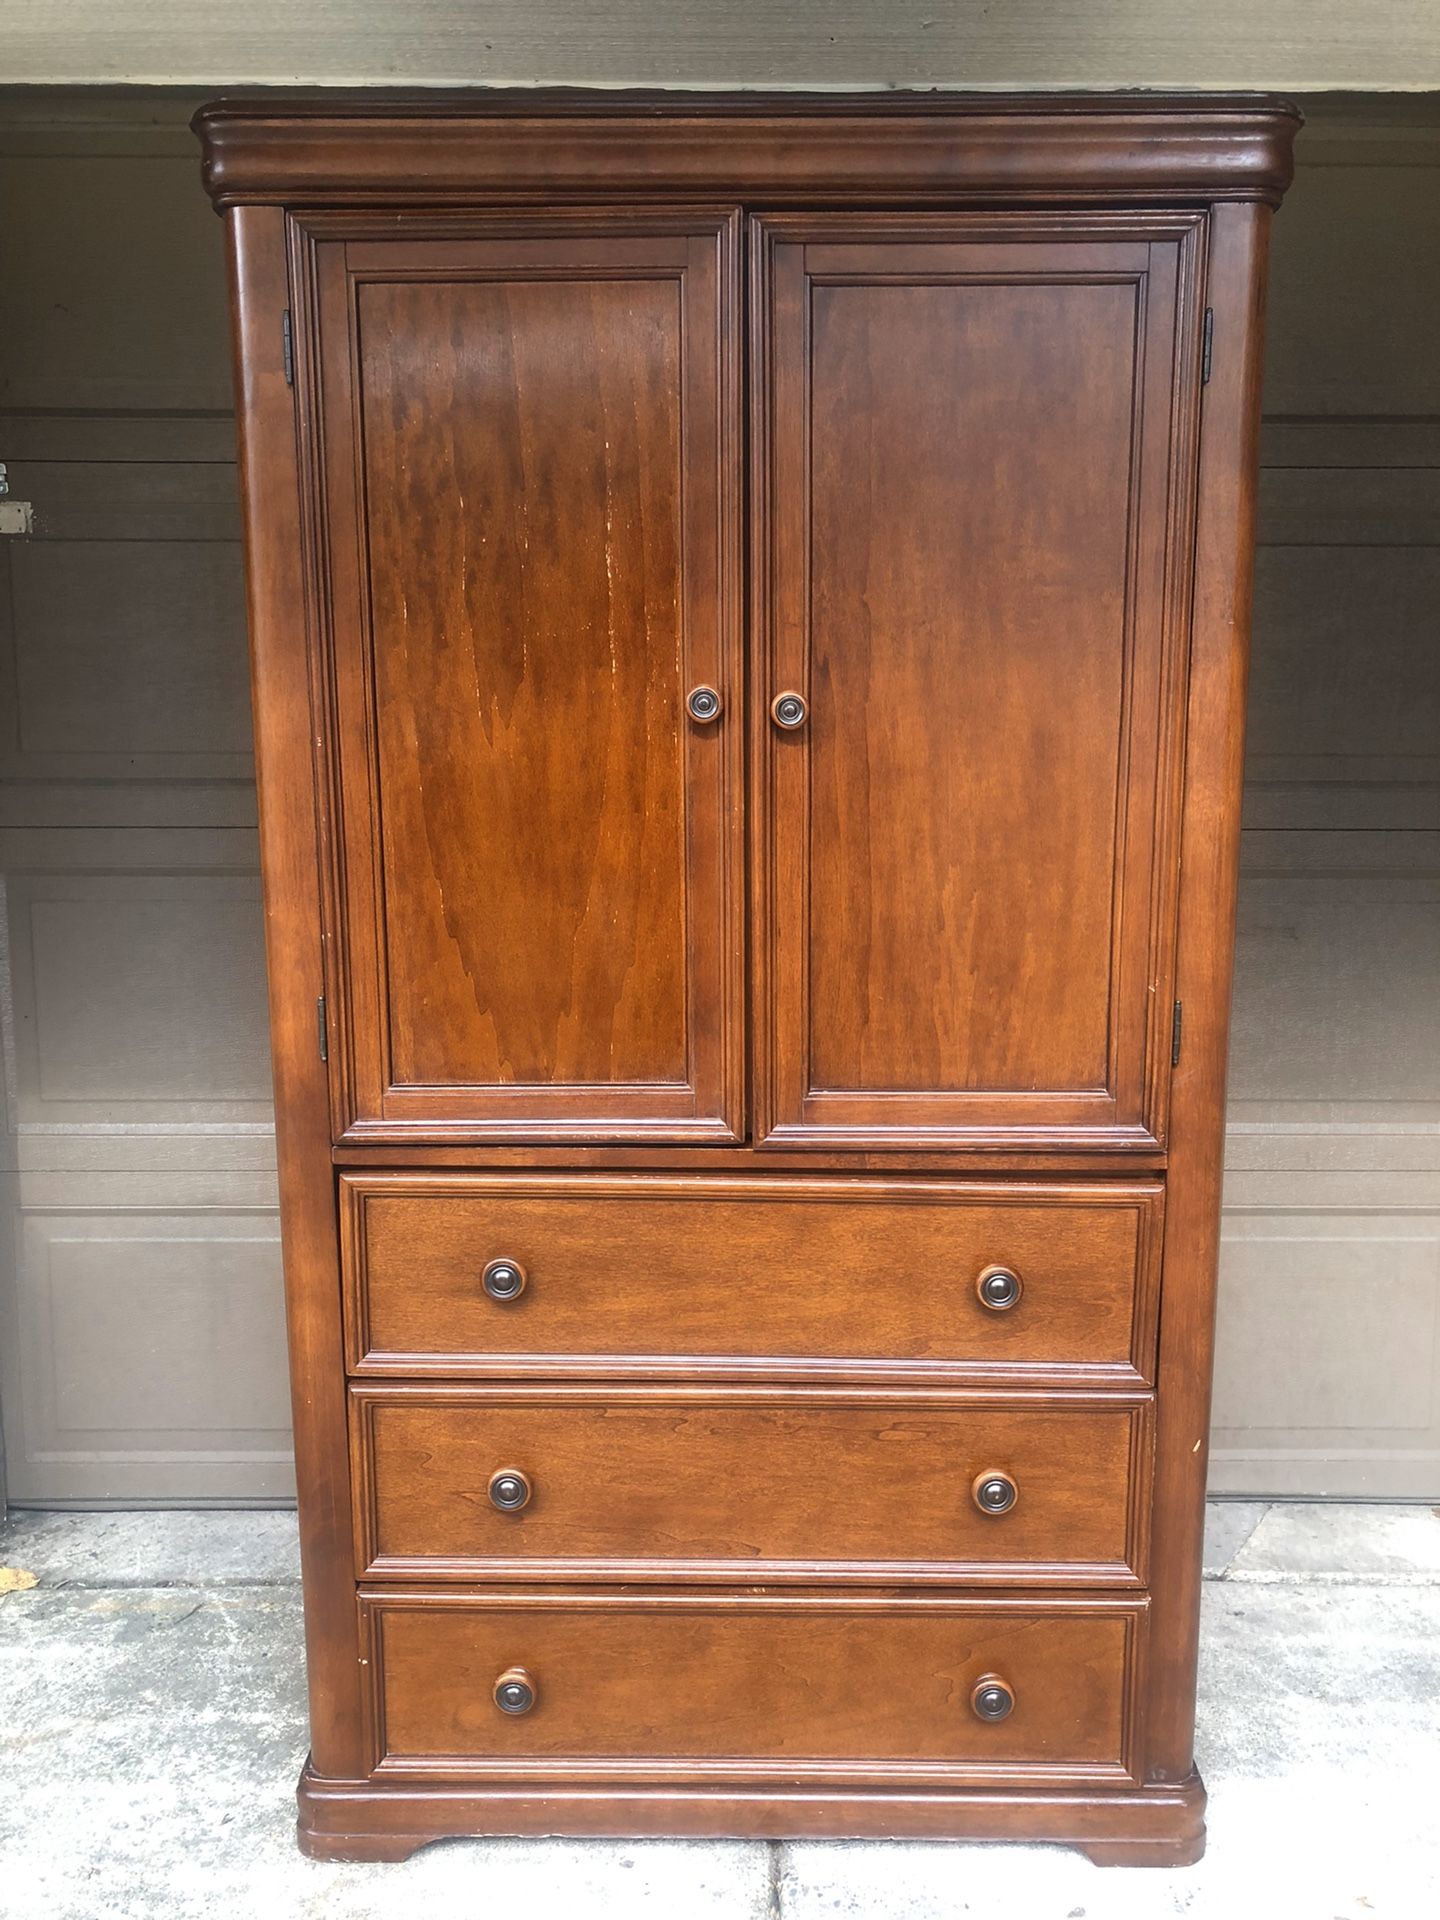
(152, 1724)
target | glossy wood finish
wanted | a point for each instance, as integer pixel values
(1215, 762)
(1060, 1157)
(285, 693)
(972, 449)
(840, 1692)
(645, 1483)
(529, 435)
(772, 1278)
(749, 1384)
(1115, 1826)
(797, 149)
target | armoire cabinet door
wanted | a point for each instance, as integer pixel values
(529, 439)
(975, 443)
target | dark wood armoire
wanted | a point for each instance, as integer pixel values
(749, 604)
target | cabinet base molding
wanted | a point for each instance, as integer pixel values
(1141, 1827)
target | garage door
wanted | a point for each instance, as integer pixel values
(140, 1314)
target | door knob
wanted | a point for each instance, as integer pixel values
(991, 1698)
(704, 705)
(998, 1288)
(514, 1691)
(504, 1279)
(509, 1490)
(994, 1492)
(788, 711)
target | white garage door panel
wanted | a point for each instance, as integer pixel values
(143, 1333)
(1328, 1374)
(140, 1303)
(1329, 1350)
(152, 1357)
(1337, 1013)
(118, 1016)
(1342, 681)
(116, 643)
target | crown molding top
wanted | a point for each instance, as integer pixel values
(943, 149)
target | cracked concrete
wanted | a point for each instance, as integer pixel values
(153, 1714)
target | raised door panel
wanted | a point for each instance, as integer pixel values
(531, 503)
(975, 444)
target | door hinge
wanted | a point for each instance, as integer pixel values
(322, 1028)
(1205, 350)
(287, 347)
(1175, 1019)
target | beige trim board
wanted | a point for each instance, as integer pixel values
(1293, 44)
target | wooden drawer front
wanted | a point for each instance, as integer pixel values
(740, 1686)
(659, 1275)
(660, 1483)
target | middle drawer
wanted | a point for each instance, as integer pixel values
(660, 1483)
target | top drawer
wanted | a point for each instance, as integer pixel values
(650, 1276)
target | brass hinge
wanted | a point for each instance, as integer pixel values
(1175, 1036)
(287, 347)
(321, 1028)
(1206, 348)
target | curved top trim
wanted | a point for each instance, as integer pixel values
(332, 149)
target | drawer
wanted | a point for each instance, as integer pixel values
(660, 1483)
(743, 1686)
(778, 1277)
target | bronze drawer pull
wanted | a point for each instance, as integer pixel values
(999, 1288)
(509, 1490)
(994, 1492)
(704, 705)
(504, 1279)
(514, 1691)
(992, 1698)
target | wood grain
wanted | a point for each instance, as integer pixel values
(527, 436)
(661, 1483)
(778, 1276)
(1214, 775)
(791, 149)
(1114, 1825)
(751, 1401)
(832, 1693)
(525, 619)
(965, 909)
(281, 658)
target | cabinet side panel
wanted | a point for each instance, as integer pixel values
(270, 482)
(1210, 859)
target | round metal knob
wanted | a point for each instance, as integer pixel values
(994, 1492)
(703, 705)
(514, 1691)
(509, 1490)
(991, 1698)
(504, 1279)
(788, 710)
(999, 1288)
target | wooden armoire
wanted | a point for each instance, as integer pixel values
(749, 602)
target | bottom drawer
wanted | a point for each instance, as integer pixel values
(749, 1686)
